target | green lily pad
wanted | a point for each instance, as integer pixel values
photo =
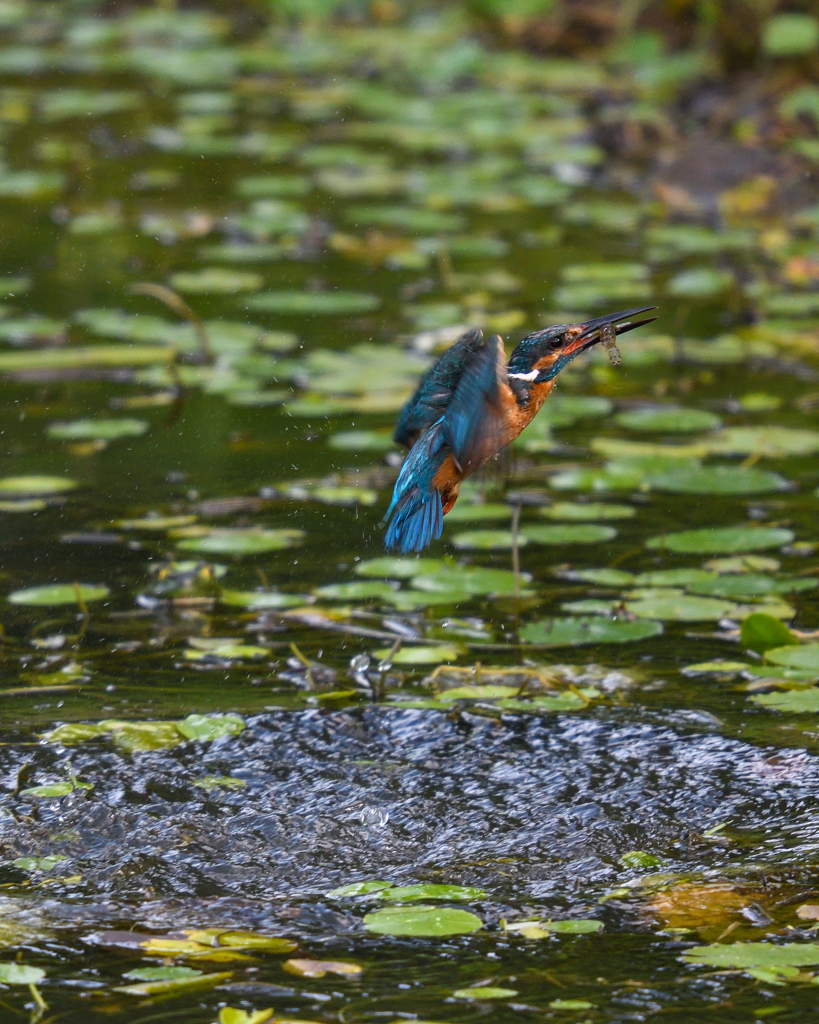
(604, 577)
(668, 420)
(577, 926)
(484, 992)
(571, 1004)
(455, 893)
(58, 594)
(573, 632)
(754, 954)
(768, 441)
(486, 540)
(357, 889)
(422, 921)
(215, 281)
(251, 541)
(474, 580)
(582, 533)
(805, 656)
(255, 600)
(792, 702)
(722, 540)
(210, 727)
(674, 606)
(673, 577)
(314, 303)
(407, 217)
(716, 480)
(789, 35)
(14, 486)
(361, 590)
(97, 430)
(762, 633)
(20, 974)
(399, 568)
(161, 973)
(174, 985)
(741, 586)
(704, 668)
(590, 510)
(700, 283)
(433, 655)
(362, 441)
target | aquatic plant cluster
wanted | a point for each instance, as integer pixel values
(254, 769)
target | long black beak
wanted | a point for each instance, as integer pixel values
(590, 329)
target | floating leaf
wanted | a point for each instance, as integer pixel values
(716, 480)
(210, 727)
(357, 889)
(793, 702)
(14, 486)
(470, 580)
(355, 591)
(162, 973)
(406, 217)
(590, 510)
(604, 577)
(484, 992)
(433, 892)
(232, 1015)
(571, 1004)
(399, 568)
(314, 303)
(174, 985)
(59, 594)
(583, 533)
(215, 281)
(768, 441)
(789, 35)
(674, 606)
(422, 921)
(640, 859)
(102, 429)
(422, 655)
(362, 441)
(720, 540)
(727, 668)
(700, 283)
(251, 541)
(255, 600)
(485, 540)
(578, 926)
(20, 974)
(805, 656)
(668, 420)
(762, 632)
(320, 968)
(209, 782)
(755, 954)
(587, 630)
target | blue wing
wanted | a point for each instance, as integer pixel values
(436, 389)
(473, 421)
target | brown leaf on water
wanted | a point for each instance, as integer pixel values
(693, 905)
(318, 968)
(808, 912)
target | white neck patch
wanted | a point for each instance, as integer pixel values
(531, 375)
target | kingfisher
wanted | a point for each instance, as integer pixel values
(469, 405)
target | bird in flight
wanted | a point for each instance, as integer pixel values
(469, 405)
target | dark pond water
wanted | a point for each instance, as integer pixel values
(233, 707)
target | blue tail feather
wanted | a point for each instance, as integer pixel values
(416, 512)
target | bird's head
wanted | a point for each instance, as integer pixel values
(541, 356)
